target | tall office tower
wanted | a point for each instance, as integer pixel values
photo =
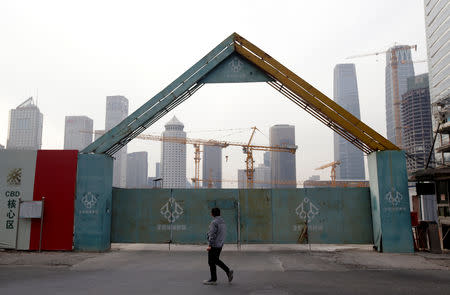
(242, 178)
(262, 177)
(345, 92)
(25, 127)
(399, 67)
(78, 132)
(157, 170)
(438, 47)
(416, 119)
(267, 159)
(116, 111)
(282, 164)
(137, 170)
(212, 167)
(173, 156)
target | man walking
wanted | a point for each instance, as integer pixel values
(216, 238)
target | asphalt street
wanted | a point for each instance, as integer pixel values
(256, 272)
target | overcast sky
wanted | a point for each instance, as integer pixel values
(75, 53)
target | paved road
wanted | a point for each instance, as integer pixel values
(275, 272)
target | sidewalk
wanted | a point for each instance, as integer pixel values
(245, 247)
(284, 257)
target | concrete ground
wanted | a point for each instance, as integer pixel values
(259, 269)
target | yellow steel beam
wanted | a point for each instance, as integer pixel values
(331, 109)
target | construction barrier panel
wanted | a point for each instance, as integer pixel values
(314, 215)
(390, 202)
(93, 202)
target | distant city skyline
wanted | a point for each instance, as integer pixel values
(49, 54)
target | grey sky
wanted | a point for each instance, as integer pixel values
(76, 53)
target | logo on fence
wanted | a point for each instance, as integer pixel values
(236, 65)
(394, 197)
(14, 176)
(307, 210)
(171, 210)
(89, 200)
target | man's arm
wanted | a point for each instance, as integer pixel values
(212, 234)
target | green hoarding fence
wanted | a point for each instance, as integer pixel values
(332, 215)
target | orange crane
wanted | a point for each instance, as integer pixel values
(393, 63)
(333, 166)
(248, 149)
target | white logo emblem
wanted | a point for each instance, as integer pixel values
(236, 65)
(89, 200)
(307, 210)
(171, 210)
(394, 197)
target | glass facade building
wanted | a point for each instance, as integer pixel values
(345, 92)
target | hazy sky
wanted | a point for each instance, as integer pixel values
(75, 53)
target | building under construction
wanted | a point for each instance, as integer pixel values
(399, 67)
(417, 134)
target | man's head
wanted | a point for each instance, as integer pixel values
(215, 212)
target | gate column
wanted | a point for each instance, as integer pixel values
(93, 202)
(390, 201)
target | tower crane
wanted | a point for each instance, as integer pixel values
(248, 149)
(393, 63)
(333, 166)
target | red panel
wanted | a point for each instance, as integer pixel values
(55, 179)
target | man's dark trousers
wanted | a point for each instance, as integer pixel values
(213, 260)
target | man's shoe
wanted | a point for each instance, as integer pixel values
(230, 275)
(209, 282)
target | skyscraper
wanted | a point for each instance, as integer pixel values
(212, 166)
(173, 156)
(157, 170)
(116, 111)
(262, 177)
(416, 119)
(77, 132)
(438, 47)
(137, 170)
(25, 127)
(242, 178)
(282, 164)
(345, 92)
(267, 159)
(399, 67)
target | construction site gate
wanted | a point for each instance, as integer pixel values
(314, 215)
(237, 60)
